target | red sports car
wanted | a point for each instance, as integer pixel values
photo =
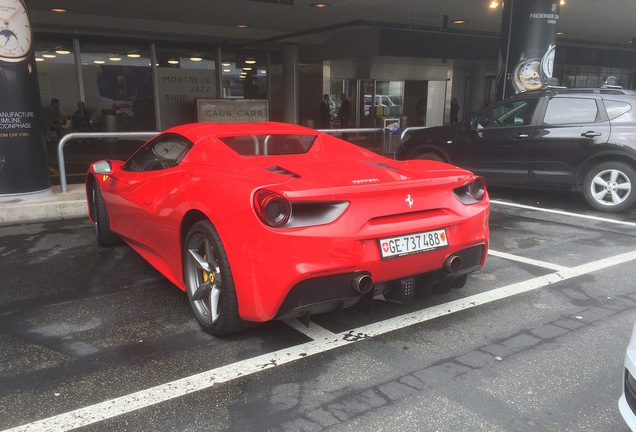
(274, 221)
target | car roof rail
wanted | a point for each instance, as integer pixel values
(553, 83)
(611, 83)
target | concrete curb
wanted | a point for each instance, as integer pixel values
(69, 205)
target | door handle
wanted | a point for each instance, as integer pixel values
(591, 134)
(519, 135)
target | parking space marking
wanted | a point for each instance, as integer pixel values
(313, 331)
(530, 261)
(564, 213)
(325, 341)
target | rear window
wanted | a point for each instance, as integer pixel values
(616, 108)
(571, 111)
(270, 145)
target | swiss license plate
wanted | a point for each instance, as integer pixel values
(413, 243)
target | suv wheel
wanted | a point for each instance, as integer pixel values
(610, 186)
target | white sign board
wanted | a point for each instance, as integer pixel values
(232, 110)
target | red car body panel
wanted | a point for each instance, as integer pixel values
(385, 198)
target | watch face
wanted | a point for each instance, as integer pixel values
(15, 30)
(527, 75)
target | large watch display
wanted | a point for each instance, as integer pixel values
(15, 31)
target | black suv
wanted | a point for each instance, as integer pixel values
(579, 139)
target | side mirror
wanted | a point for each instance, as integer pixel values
(102, 167)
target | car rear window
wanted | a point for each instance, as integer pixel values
(616, 108)
(270, 145)
(571, 111)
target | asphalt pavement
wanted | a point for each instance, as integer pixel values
(95, 339)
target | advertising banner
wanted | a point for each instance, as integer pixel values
(232, 110)
(23, 156)
(528, 42)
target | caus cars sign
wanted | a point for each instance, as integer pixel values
(232, 110)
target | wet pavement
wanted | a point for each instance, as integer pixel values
(96, 339)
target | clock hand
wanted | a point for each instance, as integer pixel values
(6, 20)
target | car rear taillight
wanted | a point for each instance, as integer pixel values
(478, 188)
(473, 192)
(273, 209)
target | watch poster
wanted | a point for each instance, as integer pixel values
(23, 154)
(528, 44)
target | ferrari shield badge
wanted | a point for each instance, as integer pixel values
(409, 200)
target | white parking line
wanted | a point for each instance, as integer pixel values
(325, 341)
(530, 261)
(564, 213)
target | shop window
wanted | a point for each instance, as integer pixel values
(244, 74)
(57, 74)
(183, 76)
(118, 87)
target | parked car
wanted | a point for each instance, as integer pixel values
(264, 221)
(383, 101)
(627, 402)
(576, 139)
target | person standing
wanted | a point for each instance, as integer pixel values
(325, 112)
(454, 111)
(420, 109)
(53, 117)
(344, 113)
(82, 118)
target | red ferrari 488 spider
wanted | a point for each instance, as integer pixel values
(266, 221)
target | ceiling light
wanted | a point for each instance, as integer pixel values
(62, 52)
(250, 61)
(49, 55)
(133, 55)
(247, 68)
(227, 70)
(58, 10)
(39, 59)
(173, 62)
(562, 3)
(460, 21)
(196, 59)
(115, 59)
(225, 64)
(99, 61)
(241, 26)
(319, 5)
(494, 4)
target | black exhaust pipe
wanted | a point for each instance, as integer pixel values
(452, 264)
(362, 283)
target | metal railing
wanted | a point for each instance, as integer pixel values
(88, 135)
(148, 135)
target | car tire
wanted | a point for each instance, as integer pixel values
(105, 237)
(610, 186)
(209, 282)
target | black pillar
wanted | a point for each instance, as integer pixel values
(24, 170)
(528, 42)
